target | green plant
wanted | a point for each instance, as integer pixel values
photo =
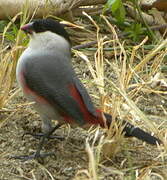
(117, 8)
(135, 31)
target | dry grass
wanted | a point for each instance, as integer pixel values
(133, 71)
(124, 92)
(9, 56)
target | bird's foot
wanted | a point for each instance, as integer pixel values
(47, 135)
(42, 137)
(39, 135)
(37, 156)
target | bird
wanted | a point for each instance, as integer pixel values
(46, 76)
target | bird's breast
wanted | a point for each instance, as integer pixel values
(21, 65)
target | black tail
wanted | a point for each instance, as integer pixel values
(132, 131)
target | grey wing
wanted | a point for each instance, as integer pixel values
(49, 76)
(85, 96)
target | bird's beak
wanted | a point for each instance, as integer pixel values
(71, 25)
(27, 28)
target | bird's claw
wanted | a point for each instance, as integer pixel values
(39, 135)
(38, 156)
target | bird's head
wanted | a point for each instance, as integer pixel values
(46, 32)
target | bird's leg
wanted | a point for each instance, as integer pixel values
(42, 141)
(38, 155)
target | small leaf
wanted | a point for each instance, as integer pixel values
(116, 5)
(117, 8)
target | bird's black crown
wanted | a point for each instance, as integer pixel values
(42, 25)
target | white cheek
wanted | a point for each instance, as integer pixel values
(48, 41)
